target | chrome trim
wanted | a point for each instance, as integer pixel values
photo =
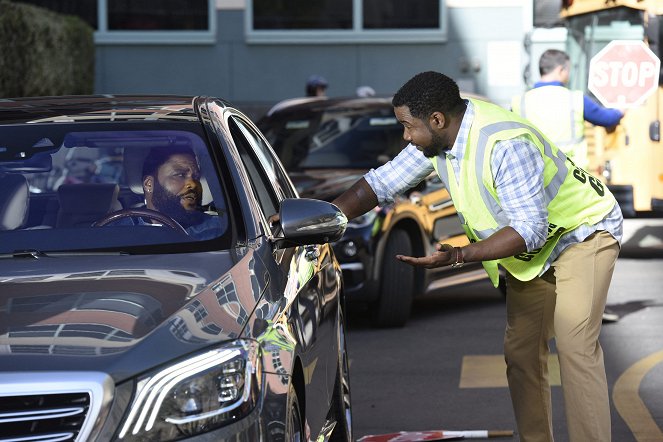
(58, 437)
(44, 414)
(439, 206)
(98, 385)
(352, 266)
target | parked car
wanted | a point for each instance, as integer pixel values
(326, 144)
(124, 323)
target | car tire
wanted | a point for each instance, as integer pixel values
(294, 424)
(341, 400)
(393, 306)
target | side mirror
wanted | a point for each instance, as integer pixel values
(308, 221)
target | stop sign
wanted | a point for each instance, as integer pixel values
(624, 73)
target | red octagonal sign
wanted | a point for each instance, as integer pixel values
(624, 73)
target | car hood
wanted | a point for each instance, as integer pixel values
(120, 314)
(325, 184)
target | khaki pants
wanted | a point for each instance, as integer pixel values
(566, 303)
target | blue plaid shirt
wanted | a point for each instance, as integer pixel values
(517, 168)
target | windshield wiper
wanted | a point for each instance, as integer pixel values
(36, 254)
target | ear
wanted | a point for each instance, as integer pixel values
(437, 120)
(148, 181)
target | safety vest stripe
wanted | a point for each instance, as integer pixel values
(550, 191)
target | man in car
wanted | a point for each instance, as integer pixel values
(171, 184)
(524, 206)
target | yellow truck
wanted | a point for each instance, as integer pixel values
(628, 157)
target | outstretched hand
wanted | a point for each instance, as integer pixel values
(444, 256)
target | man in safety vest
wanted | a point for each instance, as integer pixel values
(524, 206)
(559, 112)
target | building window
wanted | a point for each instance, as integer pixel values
(349, 21)
(142, 21)
(302, 14)
(85, 9)
(156, 22)
(157, 15)
(395, 14)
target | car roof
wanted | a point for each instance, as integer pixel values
(319, 104)
(323, 103)
(98, 108)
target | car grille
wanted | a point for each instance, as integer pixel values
(43, 417)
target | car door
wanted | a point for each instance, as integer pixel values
(308, 269)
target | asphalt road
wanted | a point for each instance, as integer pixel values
(444, 369)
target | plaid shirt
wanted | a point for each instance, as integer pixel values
(517, 168)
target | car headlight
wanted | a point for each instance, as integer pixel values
(196, 395)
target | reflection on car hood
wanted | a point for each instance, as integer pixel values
(324, 184)
(120, 314)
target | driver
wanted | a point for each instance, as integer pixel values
(171, 185)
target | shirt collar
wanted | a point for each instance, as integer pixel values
(548, 83)
(458, 148)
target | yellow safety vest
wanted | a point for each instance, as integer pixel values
(557, 112)
(573, 196)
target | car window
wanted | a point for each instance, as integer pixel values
(337, 137)
(261, 177)
(268, 160)
(66, 187)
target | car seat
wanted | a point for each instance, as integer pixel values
(83, 204)
(14, 200)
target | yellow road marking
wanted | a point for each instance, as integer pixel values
(489, 371)
(630, 406)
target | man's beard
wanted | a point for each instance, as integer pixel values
(169, 204)
(435, 147)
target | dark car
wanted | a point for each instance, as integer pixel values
(119, 322)
(326, 144)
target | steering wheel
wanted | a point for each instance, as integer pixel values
(140, 212)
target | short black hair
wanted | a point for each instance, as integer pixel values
(159, 155)
(551, 59)
(429, 92)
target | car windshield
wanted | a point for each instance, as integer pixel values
(108, 187)
(339, 137)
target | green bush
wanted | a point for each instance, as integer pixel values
(44, 53)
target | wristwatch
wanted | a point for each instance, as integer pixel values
(459, 258)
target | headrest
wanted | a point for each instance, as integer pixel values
(83, 204)
(133, 168)
(14, 197)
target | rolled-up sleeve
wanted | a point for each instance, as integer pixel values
(517, 167)
(405, 171)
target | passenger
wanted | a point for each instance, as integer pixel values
(552, 226)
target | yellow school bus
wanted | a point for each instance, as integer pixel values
(628, 157)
